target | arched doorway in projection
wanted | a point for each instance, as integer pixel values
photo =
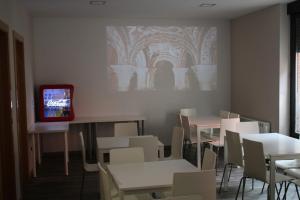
(164, 76)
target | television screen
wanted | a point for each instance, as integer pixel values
(56, 103)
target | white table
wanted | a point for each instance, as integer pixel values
(92, 121)
(104, 144)
(148, 176)
(49, 128)
(202, 122)
(276, 147)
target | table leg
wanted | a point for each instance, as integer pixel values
(138, 127)
(90, 143)
(142, 127)
(198, 148)
(121, 194)
(39, 148)
(33, 155)
(66, 153)
(272, 179)
(226, 174)
(101, 157)
(161, 152)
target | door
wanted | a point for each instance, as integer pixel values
(7, 160)
(21, 107)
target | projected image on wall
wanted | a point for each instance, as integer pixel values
(162, 58)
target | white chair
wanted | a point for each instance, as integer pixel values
(288, 164)
(190, 112)
(107, 191)
(177, 143)
(224, 114)
(149, 144)
(202, 183)
(209, 160)
(125, 129)
(234, 153)
(295, 173)
(234, 115)
(126, 155)
(247, 127)
(226, 124)
(255, 167)
(86, 166)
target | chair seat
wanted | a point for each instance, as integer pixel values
(91, 168)
(278, 177)
(216, 143)
(293, 172)
(134, 197)
(194, 140)
(287, 164)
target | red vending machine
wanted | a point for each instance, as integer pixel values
(56, 103)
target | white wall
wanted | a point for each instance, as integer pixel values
(260, 66)
(73, 50)
(13, 13)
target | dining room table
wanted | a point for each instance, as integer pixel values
(204, 122)
(276, 147)
(147, 177)
(105, 144)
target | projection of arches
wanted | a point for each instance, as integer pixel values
(176, 41)
(115, 41)
(163, 76)
(208, 47)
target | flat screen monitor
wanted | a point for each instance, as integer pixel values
(56, 103)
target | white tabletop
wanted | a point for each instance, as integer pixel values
(206, 121)
(117, 142)
(49, 127)
(108, 118)
(148, 175)
(275, 144)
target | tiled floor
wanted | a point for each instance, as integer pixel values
(51, 184)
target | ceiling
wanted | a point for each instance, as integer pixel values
(169, 9)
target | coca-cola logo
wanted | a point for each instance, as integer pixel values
(57, 103)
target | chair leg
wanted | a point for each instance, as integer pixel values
(238, 191)
(262, 189)
(230, 172)
(223, 177)
(82, 183)
(286, 189)
(281, 185)
(297, 191)
(243, 191)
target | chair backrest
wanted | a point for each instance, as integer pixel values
(234, 115)
(234, 148)
(247, 127)
(178, 120)
(224, 114)
(227, 124)
(126, 155)
(105, 187)
(149, 144)
(125, 129)
(186, 126)
(83, 152)
(193, 183)
(209, 160)
(254, 160)
(177, 142)
(191, 112)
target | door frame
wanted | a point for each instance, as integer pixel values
(22, 130)
(7, 169)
